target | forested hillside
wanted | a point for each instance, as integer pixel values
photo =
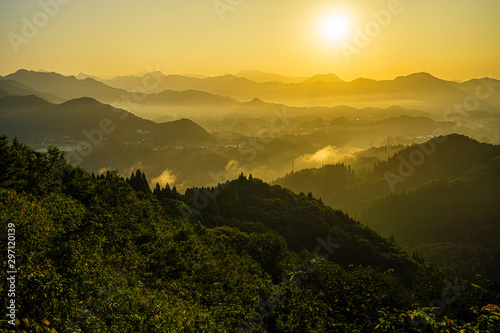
(453, 222)
(444, 208)
(439, 158)
(105, 254)
(254, 206)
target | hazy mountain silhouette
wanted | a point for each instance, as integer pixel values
(258, 103)
(337, 111)
(260, 77)
(188, 98)
(42, 120)
(415, 91)
(83, 76)
(488, 86)
(128, 82)
(67, 87)
(329, 78)
(10, 103)
(365, 133)
(11, 87)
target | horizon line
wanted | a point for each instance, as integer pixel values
(202, 76)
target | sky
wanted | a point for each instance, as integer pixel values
(378, 39)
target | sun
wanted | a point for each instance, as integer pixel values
(335, 27)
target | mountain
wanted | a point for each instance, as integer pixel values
(487, 83)
(418, 81)
(188, 98)
(67, 87)
(328, 78)
(83, 76)
(229, 85)
(438, 158)
(459, 226)
(371, 114)
(259, 76)
(71, 120)
(25, 102)
(163, 82)
(437, 198)
(12, 88)
(369, 131)
(257, 102)
(128, 82)
(451, 222)
(483, 89)
(420, 91)
(445, 157)
(254, 206)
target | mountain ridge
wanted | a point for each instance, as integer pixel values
(417, 90)
(86, 114)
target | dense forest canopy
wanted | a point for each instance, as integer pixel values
(107, 254)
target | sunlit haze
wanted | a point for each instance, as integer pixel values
(335, 27)
(448, 38)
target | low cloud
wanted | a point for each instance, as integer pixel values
(104, 170)
(166, 177)
(326, 155)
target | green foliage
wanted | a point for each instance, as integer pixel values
(324, 182)
(486, 320)
(304, 222)
(445, 206)
(451, 222)
(139, 182)
(102, 255)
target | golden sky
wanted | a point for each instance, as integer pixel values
(452, 39)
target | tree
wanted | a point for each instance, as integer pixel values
(139, 182)
(6, 161)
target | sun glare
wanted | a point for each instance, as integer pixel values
(335, 27)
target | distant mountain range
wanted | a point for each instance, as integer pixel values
(374, 122)
(417, 91)
(83, 76)
(188, 98)
(184, 101)
(13, 88)
(67, 87)
(259, 76)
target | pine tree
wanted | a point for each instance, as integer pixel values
(139, 182)
(167, 191)
(175, 194)
(6, 161)
(157, 191)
